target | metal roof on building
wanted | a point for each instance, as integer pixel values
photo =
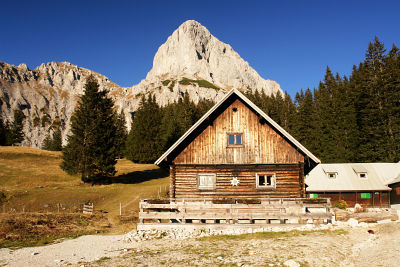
(296, 143)
(378, 176)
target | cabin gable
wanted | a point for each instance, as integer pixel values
(259, 143)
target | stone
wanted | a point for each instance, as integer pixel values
(352, 222)
(34, 253)
(291, 263)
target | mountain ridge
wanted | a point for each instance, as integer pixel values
(191, 61)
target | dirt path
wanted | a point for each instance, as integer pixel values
(348, 247)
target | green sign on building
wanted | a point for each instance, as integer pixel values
(365, 195)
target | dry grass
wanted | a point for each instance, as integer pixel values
(22, 230)
(32, 178)
(270, 235)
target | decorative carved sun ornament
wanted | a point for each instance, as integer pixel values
(235, 181)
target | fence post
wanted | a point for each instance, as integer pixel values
(120, 208)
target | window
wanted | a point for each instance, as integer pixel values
(363, 175)
(313, 195)
(206, 181)
(265, 180)
(235, 139)
(331, 175)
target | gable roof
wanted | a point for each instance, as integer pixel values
(232, 92)
(379, 175)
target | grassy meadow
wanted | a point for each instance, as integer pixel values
(31, 181)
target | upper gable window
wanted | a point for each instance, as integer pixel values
(362, 175)
(331, 175)
(235, 139)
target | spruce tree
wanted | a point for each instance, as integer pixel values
(3, 132)
(121, 134)
(144, 142)
(14, 134)
(91, 149)
(53, 142)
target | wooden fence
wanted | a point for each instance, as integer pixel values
(263, 211)
(45, 208)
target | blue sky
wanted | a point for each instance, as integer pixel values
(290, 42)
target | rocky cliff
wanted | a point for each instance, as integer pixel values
(191, 61)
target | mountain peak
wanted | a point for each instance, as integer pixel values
(192, 51)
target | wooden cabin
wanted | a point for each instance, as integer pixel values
(367, 184)
(236, 151)
(235, 166)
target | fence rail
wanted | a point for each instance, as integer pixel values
(50, 207)
(294, 210)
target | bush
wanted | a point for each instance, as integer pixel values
(166, 82)
(171, 86)
(341, 204)
(201, 83)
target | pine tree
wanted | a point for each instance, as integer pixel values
(53, 142)
(121, 134)
(46, 144)
(91, 149)
(14, 134)
(391, 104)
(3, 132)
(144, 142)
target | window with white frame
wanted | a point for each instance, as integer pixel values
(266, 180)
(206, 181)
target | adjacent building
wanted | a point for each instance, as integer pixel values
(368, 184)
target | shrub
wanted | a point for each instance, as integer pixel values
(201, 83)
(36, 121)
(171, 86)
(341, 204)
(166, 82)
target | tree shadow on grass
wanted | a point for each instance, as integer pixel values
(136, 177)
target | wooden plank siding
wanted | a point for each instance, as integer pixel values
(261, 143)
(379, 199)
(288, 181)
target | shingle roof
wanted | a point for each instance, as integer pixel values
(379, 175)
(296, 143)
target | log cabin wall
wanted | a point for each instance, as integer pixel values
(261, 143)
(288, 184)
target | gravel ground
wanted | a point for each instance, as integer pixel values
(82, 249)
(355, 247)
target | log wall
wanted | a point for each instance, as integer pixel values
(288, 181)
(261, 143)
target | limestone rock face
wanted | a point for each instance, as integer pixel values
(191, 51)
(191, 61)
(48, 95)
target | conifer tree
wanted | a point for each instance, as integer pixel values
(144, 142)
(121, 134)
(14, 134)
(391, 104)
(3, 132)
(91, 149)
(53, 142)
